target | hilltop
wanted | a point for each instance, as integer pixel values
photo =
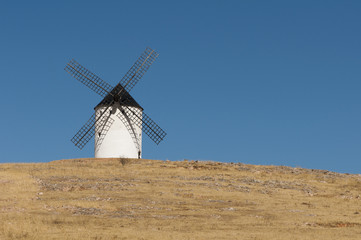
(151, 199)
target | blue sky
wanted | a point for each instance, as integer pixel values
(259, 82)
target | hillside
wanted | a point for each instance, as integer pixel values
(148, 199)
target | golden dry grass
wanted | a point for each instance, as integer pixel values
(148, 199)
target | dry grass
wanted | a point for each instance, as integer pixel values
(147, 199)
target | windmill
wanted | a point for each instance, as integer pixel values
(119, 120)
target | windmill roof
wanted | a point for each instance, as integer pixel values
(126, 99)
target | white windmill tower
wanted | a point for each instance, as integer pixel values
(118, 120)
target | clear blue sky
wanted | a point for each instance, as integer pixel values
(259, 82)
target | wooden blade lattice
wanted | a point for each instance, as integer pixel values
(89, 79)
(87, 131)
(127, 123)
(102, 128)
(144, 122)
(137, 71)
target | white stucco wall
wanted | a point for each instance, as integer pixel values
(117, 142)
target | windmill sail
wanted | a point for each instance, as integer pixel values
(149, 127)
(88, 78)
(136, 72)
(87, 131)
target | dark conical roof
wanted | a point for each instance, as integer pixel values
(126, 98)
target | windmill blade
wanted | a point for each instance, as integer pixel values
(85, 133)
(128, 125)
(148, 126)
(102, 128)
(88, 78)
(137, 71)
